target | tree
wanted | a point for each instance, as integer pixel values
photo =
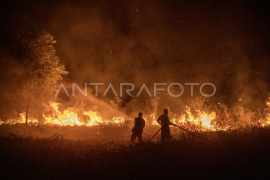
(43, 70)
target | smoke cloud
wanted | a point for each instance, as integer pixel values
(162, 42)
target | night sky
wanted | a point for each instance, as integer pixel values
(222, 42)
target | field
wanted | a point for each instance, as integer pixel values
(34, 154)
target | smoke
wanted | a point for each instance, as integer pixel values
(163, 42)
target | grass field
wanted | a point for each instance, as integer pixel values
(211, 155)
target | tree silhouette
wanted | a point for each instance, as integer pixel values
(43, 70)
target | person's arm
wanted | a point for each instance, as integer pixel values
(170, 123)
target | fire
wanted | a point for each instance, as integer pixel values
(20, 120)
(154, 120)
(66, 118)
(207, 120)
(235, 118)
(198, 121)
(195, 117)
(70, 118)
(94, 119)
(266, 121)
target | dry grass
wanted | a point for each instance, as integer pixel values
(221, 155)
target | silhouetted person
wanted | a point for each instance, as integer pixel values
(164, 121)
(138, 128)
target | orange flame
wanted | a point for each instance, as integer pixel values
(70, 118)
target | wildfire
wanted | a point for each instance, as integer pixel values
(20, 120)
(154, 120)
(193, 119)
(198, 121)
(266, 121)
(68, 117)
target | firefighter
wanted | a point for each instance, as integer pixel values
(164, 121)
(138, 128)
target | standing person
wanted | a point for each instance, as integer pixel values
(164, 121)
(138, 128)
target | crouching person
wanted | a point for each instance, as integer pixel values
(138, 128)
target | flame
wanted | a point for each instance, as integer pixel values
(266, 121)
(68, 117)
(199, 119)
(202, 121)
(20, 120)
(154, 121)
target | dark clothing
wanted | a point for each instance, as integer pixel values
(139, 123)
(164, 121)
(138, 129)
(136, 134)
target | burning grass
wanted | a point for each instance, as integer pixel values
(197, 116)
(221, 155)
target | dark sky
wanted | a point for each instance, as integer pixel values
(222, 42)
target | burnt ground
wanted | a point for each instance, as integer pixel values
(213, 155)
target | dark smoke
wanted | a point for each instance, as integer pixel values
(224, 43)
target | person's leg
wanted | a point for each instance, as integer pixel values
(133, 137)
(140, 138)
(167, 135)
(163, 136)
